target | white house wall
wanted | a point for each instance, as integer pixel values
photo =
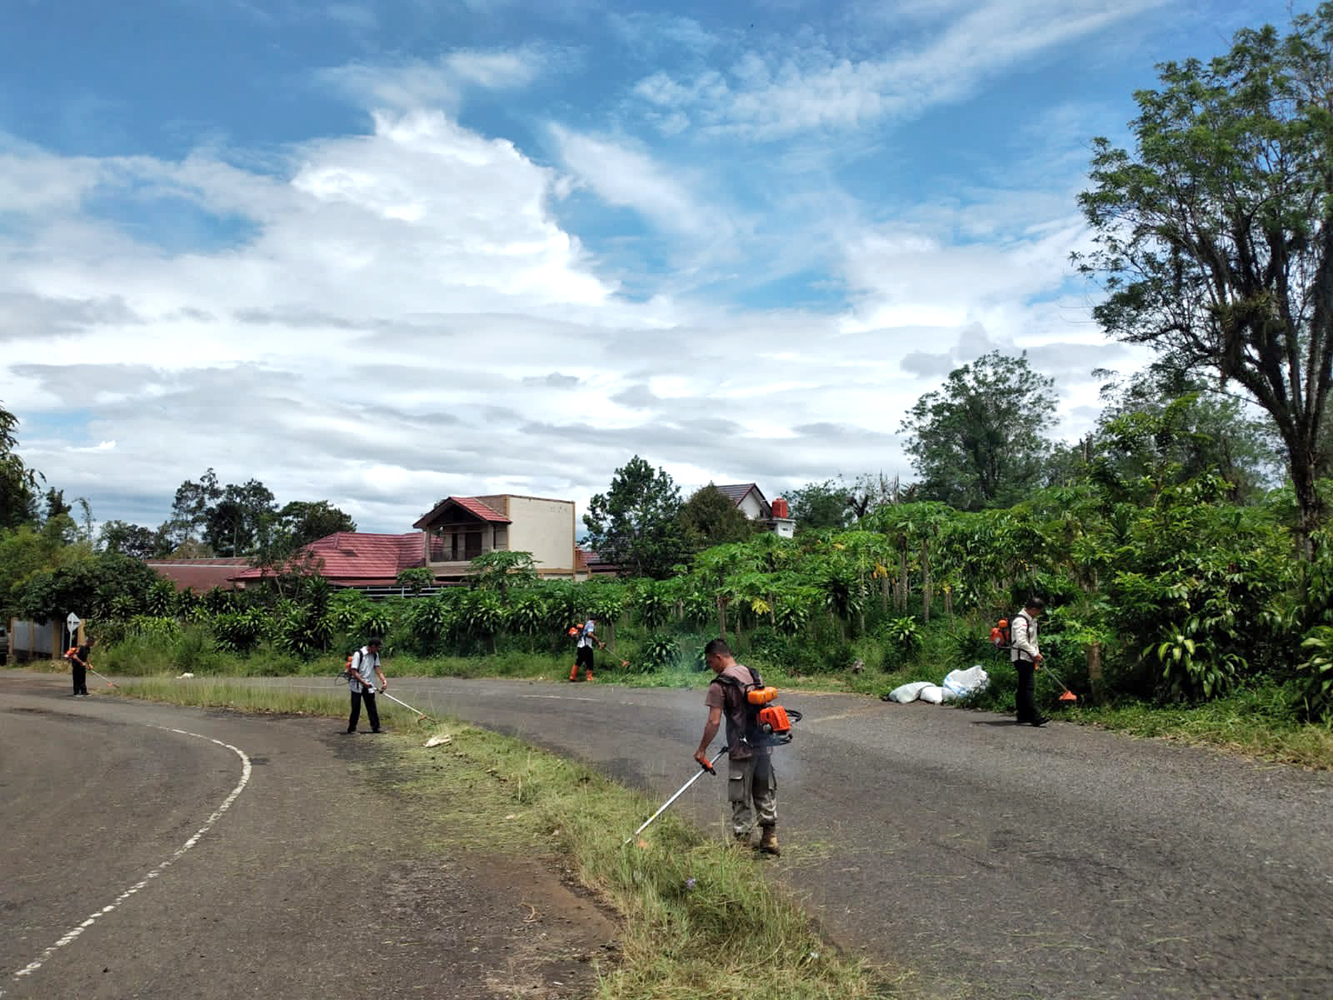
(545, 528)
(751, 507)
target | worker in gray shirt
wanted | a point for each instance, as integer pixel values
(365, 668)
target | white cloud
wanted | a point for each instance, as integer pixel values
(629, 178)
(655, 33)
(497, 70)
(790, 89)
(412, 84)
(403, 316)
(425, 83)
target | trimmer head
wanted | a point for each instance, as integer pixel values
(1068, 698)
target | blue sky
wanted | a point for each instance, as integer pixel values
(378, 253)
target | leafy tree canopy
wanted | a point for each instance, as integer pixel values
(308, 522)
(820, 505)
(977, 442)
(709, 518)
(1214, 234)
(500, 570)
(132, 540)
(232, 526)
(18, 483)
(89, 587)
(229, 519)
(636, 524)
(1166, 427)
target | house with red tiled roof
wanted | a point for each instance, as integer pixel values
(199, 574)
(458, 529)
(454, 532)
(356, 559)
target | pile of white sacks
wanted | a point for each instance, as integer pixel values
(957, 684)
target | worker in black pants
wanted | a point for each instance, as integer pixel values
(78, 662)
(361, 682)
(1026, 657)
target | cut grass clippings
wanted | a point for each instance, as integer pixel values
(700, 919)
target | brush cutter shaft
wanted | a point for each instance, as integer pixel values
(92, 671)
(1067, 695)
(679, 792)
(404, 704)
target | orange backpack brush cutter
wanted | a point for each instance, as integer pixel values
(1002, 638)
(73, 651)
(766, 724)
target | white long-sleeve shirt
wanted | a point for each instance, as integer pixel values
(1023, 638)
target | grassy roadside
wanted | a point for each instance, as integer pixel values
(700, 920)
(1252, 722)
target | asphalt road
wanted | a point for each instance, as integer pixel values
(150, 851)
(1000, 861)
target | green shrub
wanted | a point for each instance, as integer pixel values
(661, 650)
(1314, 699)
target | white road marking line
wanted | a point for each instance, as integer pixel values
(32, 967)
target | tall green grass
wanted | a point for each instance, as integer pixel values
(1255, 720)
(242, 697)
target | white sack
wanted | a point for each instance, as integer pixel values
(932, 693)
(961, 683)
(908, 692)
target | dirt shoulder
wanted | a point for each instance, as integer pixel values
(347, 867)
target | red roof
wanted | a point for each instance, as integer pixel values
(470, 504)
(361, 557)
(201, 574)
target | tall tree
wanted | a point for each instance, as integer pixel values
(128, 539)
(820, 505)
(977, 441)
(308, 522)
(18, 483)
(190, 509)
(635, 524)
(1170, 427)
(232, 524)
(1214, 236)
(709, 518)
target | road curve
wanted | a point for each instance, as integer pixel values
(1001, 861)
(314, 881)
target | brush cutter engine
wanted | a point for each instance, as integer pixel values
(775, 723)
(772, 720)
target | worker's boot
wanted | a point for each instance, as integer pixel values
(574, 672)
(768, 843)
(589, 676)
